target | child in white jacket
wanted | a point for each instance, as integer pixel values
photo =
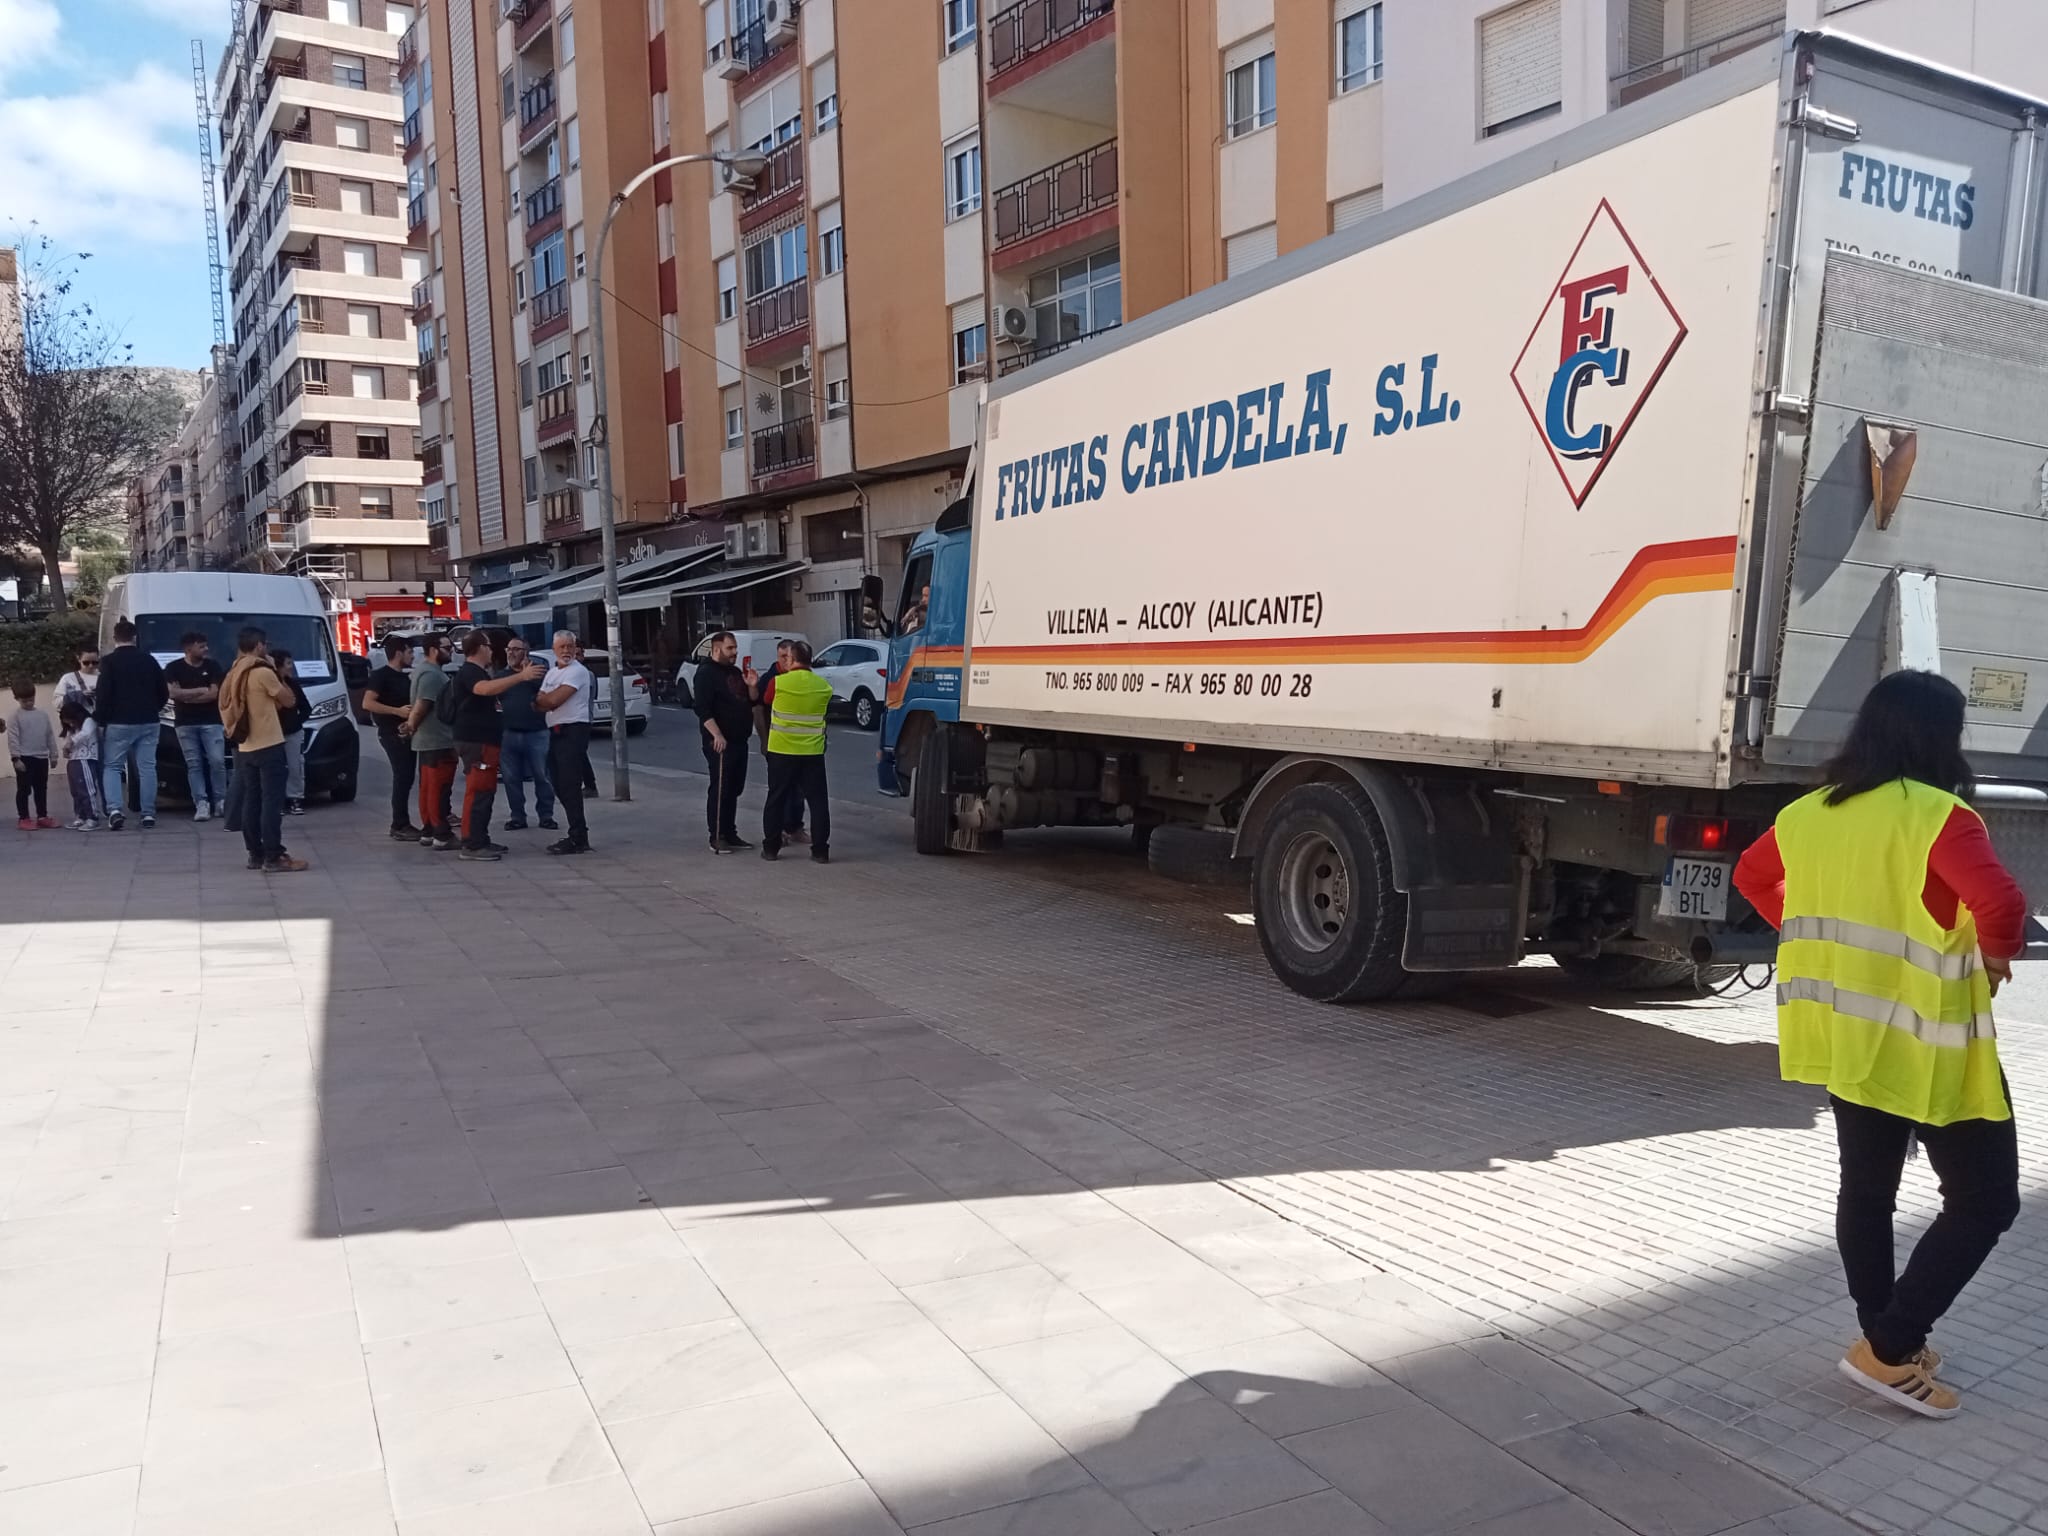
(81, 743)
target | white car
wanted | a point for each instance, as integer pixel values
(756, 645)
(639, 700)
(858, 671)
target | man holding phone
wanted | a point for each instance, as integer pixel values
(724, 696)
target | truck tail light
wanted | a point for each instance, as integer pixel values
(1703, 834)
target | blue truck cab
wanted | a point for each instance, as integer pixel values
(927, 644)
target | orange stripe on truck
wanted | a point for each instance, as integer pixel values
(923, 656)
(1662, 570)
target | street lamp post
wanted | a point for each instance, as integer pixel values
(746, 166)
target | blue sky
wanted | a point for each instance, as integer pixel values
(96, 114)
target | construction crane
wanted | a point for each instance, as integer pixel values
(223, 353)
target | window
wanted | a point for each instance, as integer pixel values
(356, 197)
(351, 71)
(397, 18)
(825, 94)
(1077, 299)
(366, 383)
(1249, 99)
(568, 51)
(586, 367)
(590, 462)
(412, 265)
(793, 383)
(671, 345)
(365, 320)
(664, 230)
(359, 259)
(970, 340)
(1357, 208)
(728, 287)
(831, 241)
(714, 32)
(576, 245)
(773, 116)
(779, 259)
(351, 133)
(572, 134)
(837, 400)
(374, 500)
(532, 470)
(345, 13)
(959, 24)
(1253, 248)
(963, 177)
(675, 450)
(373, 443)
(656, 19)
(1361, 58)
(320, 493)
(735, 415)
(508, 93)
(519, 288)
(549, 264)
(1521, 66)
(526, 383)
(660, 121)
(442, 327)
(552, 372)
(552, 152)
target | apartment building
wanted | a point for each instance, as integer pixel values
(323, 410)
(178, 509)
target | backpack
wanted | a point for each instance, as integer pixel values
(450, 702)
(234, 709)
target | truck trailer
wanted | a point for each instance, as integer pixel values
(1494, 570)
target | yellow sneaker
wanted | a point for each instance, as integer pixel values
(1911, 1386)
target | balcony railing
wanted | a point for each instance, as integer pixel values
(430, 378)
(430, 461)
(409, 47)
(416, 210)
(529, 19)
(559, 507)
(1014, 35)
(778, 311)
(555, 414)
(1645, 78)
(751, 46)
(1029, 355)
(548, 305)
(422, 294)
(409, 131)
(784, 446)
(537, 100)
(1071, 189)
(544, 201)
(784, 170)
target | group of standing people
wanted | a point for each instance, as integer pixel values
(497, 714)
(787, 709)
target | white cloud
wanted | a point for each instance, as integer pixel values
(116, 158)
(30, 27)
(208, 15)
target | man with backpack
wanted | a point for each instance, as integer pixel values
(471, 709)
(250, 699)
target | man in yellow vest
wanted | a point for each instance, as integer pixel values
(796, 699)
(1896, 923)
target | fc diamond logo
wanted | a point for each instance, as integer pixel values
(1603, 340)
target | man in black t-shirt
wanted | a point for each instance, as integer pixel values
(193, 682)
(478, 736)
(387, 700)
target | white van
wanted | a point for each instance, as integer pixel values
(756, 645)
(165, 606)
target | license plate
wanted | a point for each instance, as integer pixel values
(1695, 889)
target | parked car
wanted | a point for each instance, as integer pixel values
(639, 700)
(858, 671)
(756, 645)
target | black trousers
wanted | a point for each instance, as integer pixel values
(794, 780)
(31, 781)
(568, 762)
(1978, 1164)
(728, 770)
(399, 754)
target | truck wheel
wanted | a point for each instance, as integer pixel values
(866, 713)
(931, 792)
(1629, 973)
(1196, 856)
(1329, 917)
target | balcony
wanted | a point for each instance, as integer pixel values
(1646, 79)
(559, 510)
(430, 378)
(415, 211)
(778, 311)
(1060, 194)
(529, 20)
(555, 415)
(752, 48)
(548, 314)
(785, 446)
(784, 172)
(408, 49)
(422, 296)
(536, 109)
(1029, 28)
(430, 462)
(409, 132)
(544, 209)
(1025, 357)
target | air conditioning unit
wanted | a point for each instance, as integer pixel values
(732, 179)
(1016, 323)
(731, 66)
(778, 21)
(735, 541)
(763, 536)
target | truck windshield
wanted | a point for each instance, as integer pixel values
(304, 635)
(917, 594)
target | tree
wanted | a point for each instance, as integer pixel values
(97, 565)
(78, 420)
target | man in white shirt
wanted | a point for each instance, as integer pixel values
(564, 698)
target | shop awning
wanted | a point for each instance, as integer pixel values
(668, 565)
(734, 578)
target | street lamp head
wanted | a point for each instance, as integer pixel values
(743, 168)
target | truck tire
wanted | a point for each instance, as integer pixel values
(1329, 918)
(931, 792)
(1194, 856)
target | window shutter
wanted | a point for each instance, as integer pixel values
(1251, 48)
(1253, 248)
(1645, 32)
(968, 314)
(1708, 21)
(1521, 61)
(1357, 208)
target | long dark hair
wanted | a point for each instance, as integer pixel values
(1909, 727)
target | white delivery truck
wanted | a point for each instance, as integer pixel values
(1494, 570)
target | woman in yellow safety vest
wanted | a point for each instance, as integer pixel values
(1896, 923)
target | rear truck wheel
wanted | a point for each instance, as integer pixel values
(1196, 856)
(931, 792)
(1329, 918)
(867, 714)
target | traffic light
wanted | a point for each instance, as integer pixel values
(433, 602)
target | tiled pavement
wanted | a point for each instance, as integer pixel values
(653, 1191)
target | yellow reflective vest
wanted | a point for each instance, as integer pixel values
(796, 715)
(1876, 999)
